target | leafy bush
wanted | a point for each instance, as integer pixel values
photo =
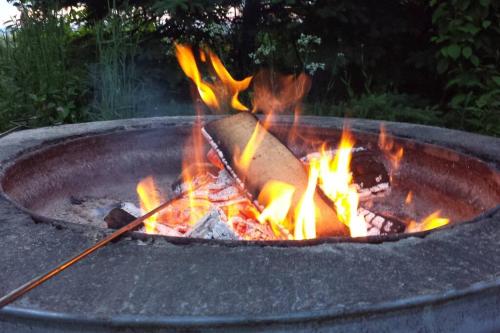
(382, 106)
(369, 59)
(39, 83)
(467, 36)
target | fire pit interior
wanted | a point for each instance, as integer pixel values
(81, 179)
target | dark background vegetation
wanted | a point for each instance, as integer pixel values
(432, 62)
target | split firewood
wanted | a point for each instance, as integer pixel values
(271, 161)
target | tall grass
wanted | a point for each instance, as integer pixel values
(118, 90)
(38, 83)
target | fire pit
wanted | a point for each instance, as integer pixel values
(82, 179)
(60, 182)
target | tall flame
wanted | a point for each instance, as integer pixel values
(212, 94)
(232, 85)
(186, 60)
(305, 212)
(149, 199)
(336, 183)
(334, 177)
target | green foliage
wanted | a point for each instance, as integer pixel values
(116, 85)
(467, 36)
(367, 58)
(382, 106)
(39, 83)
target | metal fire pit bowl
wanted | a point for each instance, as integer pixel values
(444, 280)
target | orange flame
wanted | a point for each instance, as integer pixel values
(335, 179)
(278, 198)
(186, 60)
(393, 152)
(409, 198)
(232, 85)
(243, 160)
(212, 94)
(149, 199)
(336, 183)
(276, 93)
(432, 221)
(305, 212)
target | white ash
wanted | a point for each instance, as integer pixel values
(195, 183)
(212, 226)
(223, 180)
(229, 193)
(131, 209)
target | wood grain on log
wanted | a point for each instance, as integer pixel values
(272, 161)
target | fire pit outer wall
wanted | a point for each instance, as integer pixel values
(444, 281)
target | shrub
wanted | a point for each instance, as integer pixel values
(467, 35)
(39, 83)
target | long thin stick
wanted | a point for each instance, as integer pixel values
(16, 293)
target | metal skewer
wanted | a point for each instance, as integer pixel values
(18, 292)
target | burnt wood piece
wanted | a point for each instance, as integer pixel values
(272, 161)
(378, 224)
(368, 171)
(118, 218)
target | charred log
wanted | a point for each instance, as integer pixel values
(118, 218)
(378, 224)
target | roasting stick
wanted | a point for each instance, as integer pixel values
(16, 293)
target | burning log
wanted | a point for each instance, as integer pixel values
(271, 161)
